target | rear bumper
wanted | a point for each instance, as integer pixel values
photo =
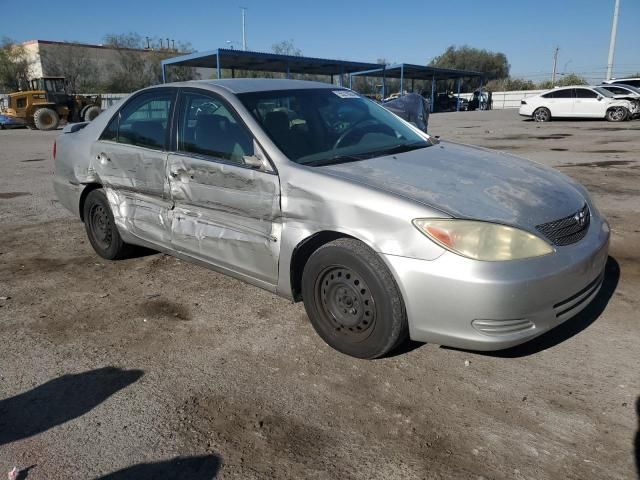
(526, 110)
(68, 194)
(475, 305)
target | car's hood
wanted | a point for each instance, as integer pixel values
(470, 182)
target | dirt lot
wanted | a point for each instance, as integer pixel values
(155, 368)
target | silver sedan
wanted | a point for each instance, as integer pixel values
(320, 195)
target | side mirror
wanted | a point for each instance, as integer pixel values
(600, 97)
(258, 160)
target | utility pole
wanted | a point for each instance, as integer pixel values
(244, 30)
(555, 66)
(612, 42)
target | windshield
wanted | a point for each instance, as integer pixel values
(603, 92)
(322, 126)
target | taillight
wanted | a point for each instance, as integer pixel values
(54, 149)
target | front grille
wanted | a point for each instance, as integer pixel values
(569, 229)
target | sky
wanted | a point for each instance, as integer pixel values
(527, 31)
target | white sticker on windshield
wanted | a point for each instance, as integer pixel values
(346, 94)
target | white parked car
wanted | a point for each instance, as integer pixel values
(625, 92)
(621, 91)
(576, 102)
(633, 81)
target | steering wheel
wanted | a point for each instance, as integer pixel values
(349, 131)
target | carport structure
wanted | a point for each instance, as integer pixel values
(408, 71)
(265, 62)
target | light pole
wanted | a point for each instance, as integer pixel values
(244, 30)
(555, 66)
(612, 41)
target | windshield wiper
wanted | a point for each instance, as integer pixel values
(335, 159)
(405, 147)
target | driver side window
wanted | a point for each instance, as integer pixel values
(207, 127)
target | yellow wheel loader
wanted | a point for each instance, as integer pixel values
(46, 103)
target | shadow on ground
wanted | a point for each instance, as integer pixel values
(572, 326)
(60, 400)
(204, 467)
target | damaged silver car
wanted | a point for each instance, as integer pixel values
(320, 195)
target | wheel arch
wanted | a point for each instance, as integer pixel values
(89, 187)
(303, 251)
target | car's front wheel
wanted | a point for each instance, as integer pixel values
(542, 114)
(353, 300)
(101, 228)
(617, 114)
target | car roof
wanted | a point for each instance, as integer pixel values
(570, 86)
(247, 85)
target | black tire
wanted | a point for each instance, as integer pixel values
(91, 113)
(617, 114)
(352, 299)
(46, 119)
(541, 114)
(101, 228)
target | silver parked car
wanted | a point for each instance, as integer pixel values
(318, 194)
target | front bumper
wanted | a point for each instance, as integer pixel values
(475, 305)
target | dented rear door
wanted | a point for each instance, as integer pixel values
(225, 213)
(130, 162)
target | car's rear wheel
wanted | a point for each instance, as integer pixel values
(353, 300)
(617, 114)
(101, 228)
(542, 114)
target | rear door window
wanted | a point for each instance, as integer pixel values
(563, 93)
(143, 122)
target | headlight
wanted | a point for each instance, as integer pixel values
(482, 240)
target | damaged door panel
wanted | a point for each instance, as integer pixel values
(226, 214)
(226, 211)
(130, 161)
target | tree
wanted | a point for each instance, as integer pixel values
(14, 66)
(510, 84)
(286, 47)
(136, 67)
(74, 63)
(493, 65)
(564, 81)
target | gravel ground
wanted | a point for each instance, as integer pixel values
(155, 368)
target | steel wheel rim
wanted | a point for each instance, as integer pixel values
(346, 303)
(100, 226)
